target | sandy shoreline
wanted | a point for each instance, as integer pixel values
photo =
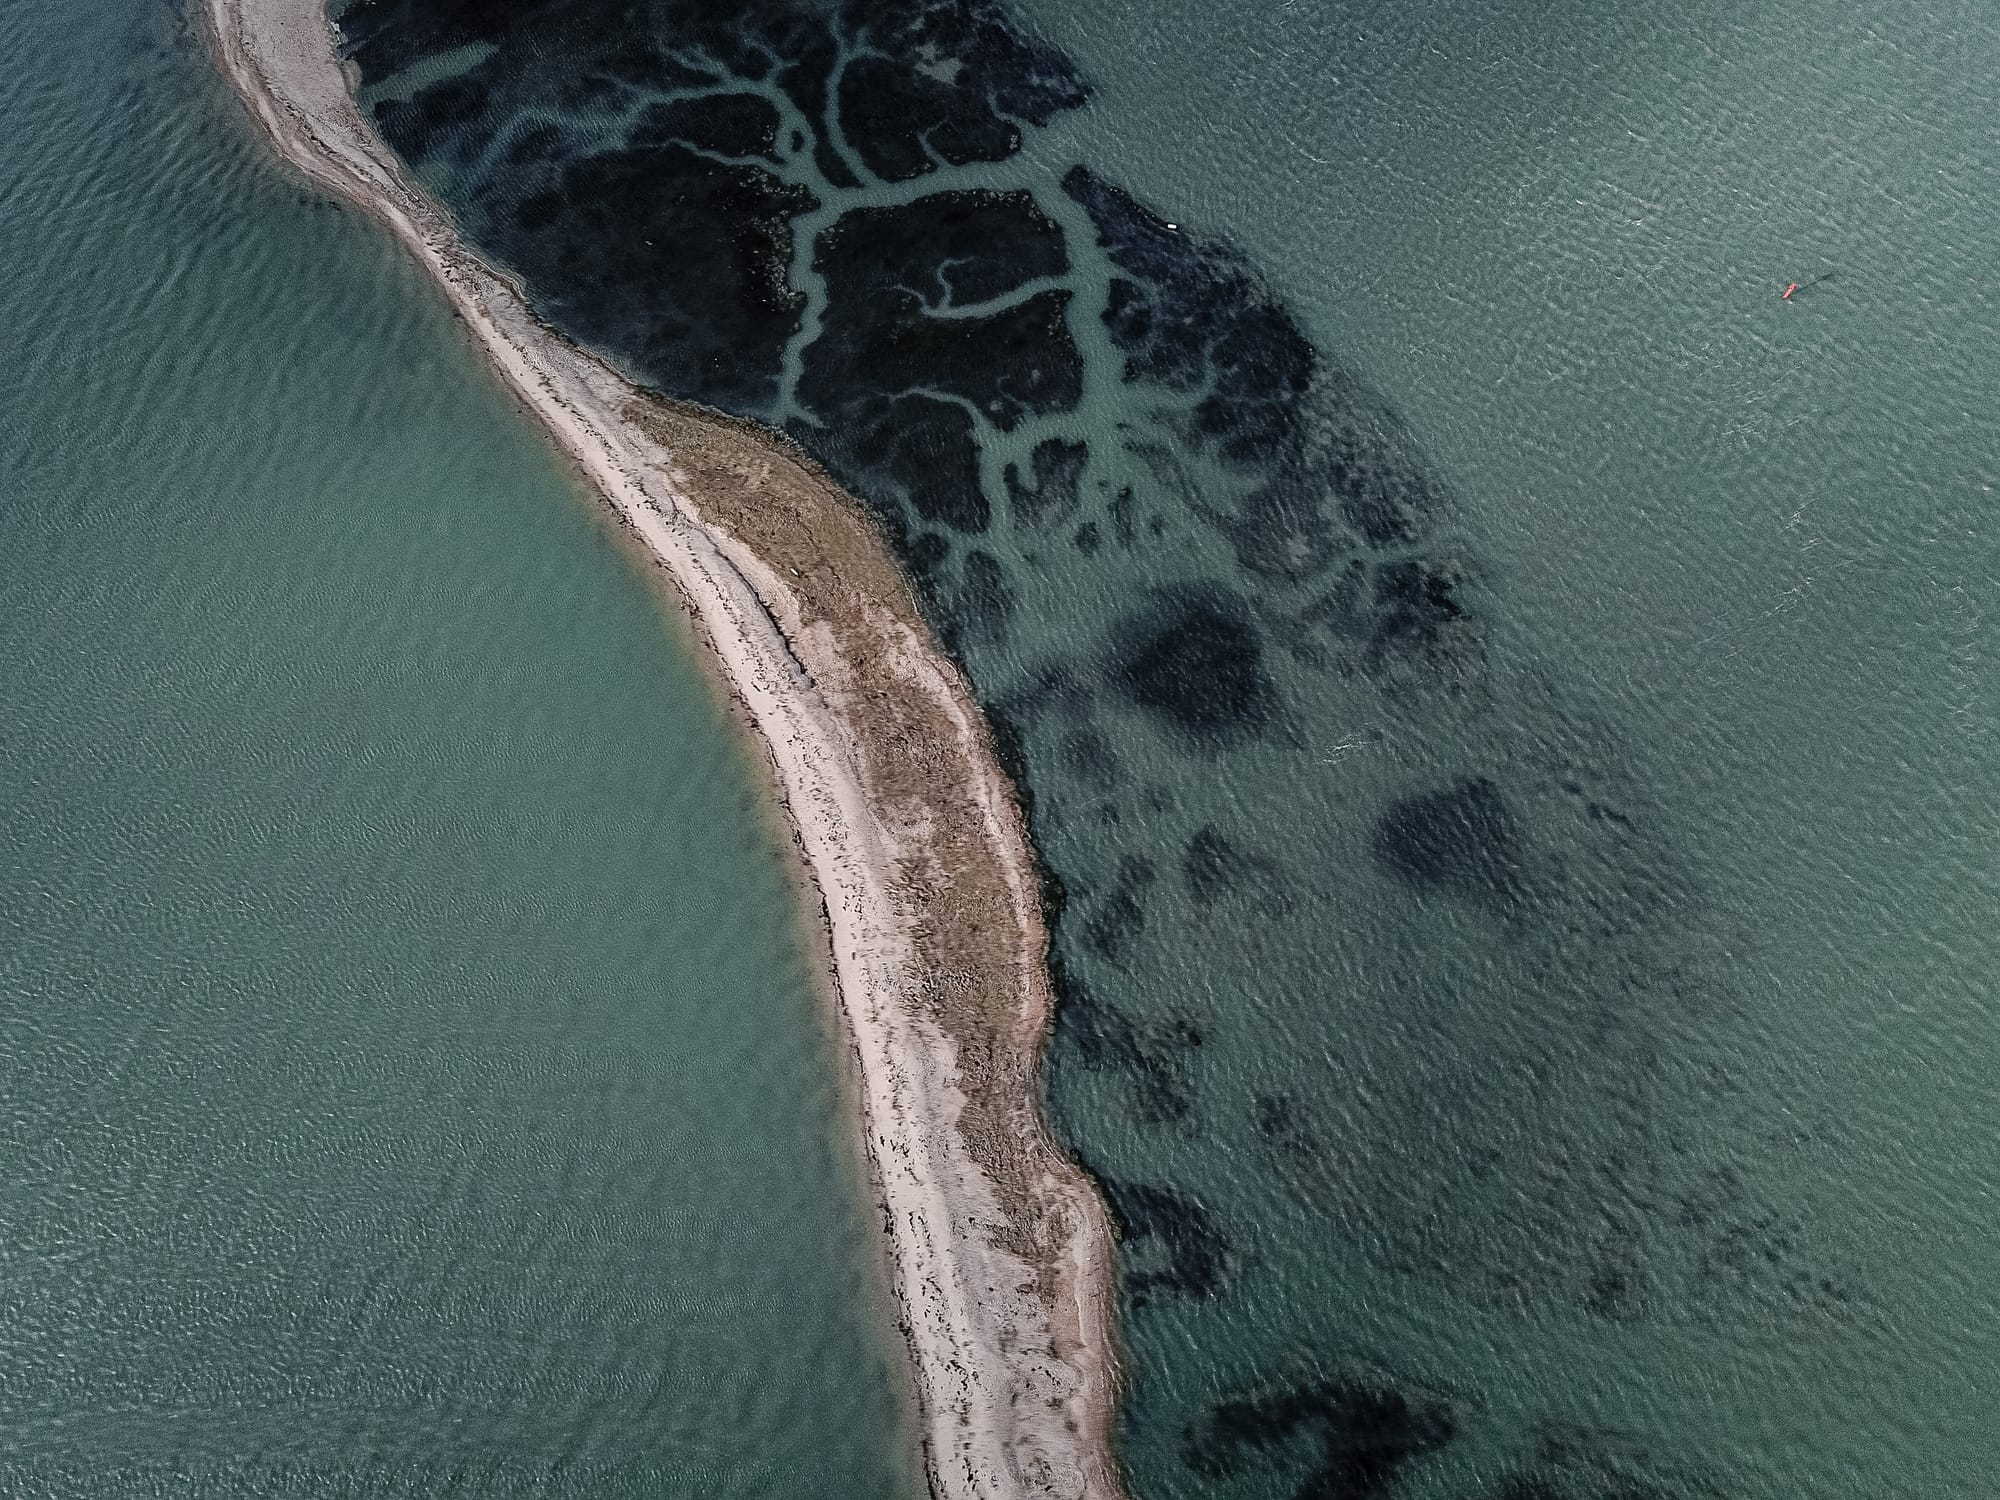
(1000, 1247)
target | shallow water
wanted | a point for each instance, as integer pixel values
(414, 1082)
(1506, 698)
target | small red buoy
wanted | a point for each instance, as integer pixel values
(1788, 292)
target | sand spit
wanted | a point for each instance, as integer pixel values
(1000, 1246)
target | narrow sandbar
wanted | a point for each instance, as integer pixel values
(1000, 1246)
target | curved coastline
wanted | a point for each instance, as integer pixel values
(1000, 1246)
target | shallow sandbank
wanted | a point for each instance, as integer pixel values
(1000, 1246)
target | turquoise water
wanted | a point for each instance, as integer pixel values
(414, 1079)
(1507, 699)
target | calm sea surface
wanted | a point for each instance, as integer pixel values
(411, 1079)
(1508, 700)
(1702, 1200)
(1509, 704)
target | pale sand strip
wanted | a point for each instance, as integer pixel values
(1000, 1246)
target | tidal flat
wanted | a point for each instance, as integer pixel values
(1499, 693)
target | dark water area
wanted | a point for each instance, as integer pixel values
(1470, 1123)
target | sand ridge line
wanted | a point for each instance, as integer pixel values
(1000, 1247)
